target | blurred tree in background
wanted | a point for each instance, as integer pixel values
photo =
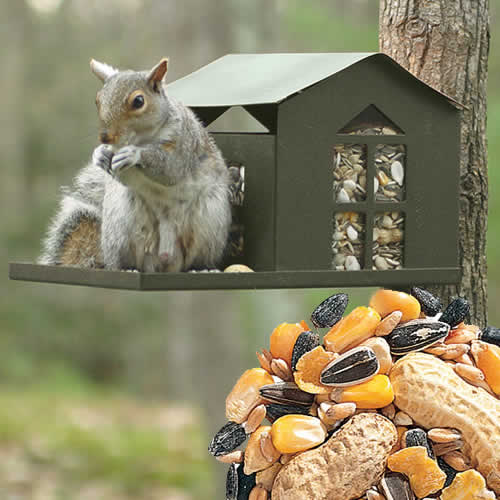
(93, 381)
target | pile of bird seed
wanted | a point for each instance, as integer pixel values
(441, 441)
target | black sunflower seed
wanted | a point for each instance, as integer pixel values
(275, 411)
(491, 335)
(448, 470)
(429, 303)
(245, 484)
(351, 368)
(305, 342)
(395, 486)
(286, 393)
(232, 482)
(227, 439)
(416, 335)
(457, 311)
(418, 437)
(330, 311)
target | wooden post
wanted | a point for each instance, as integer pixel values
(445, 43)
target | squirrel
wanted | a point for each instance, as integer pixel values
(155, 196)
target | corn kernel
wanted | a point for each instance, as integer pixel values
(283, 340)
(245, 396)
(374, 393)
(294, 433)
(387, 301)
(351, 330)
(424, 473)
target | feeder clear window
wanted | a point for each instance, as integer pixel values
(349, 172)
(348, 244)
(390, 168)
(388, 241)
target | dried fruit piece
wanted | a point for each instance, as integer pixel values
(431, 392)
(293, 433)
(382, 351)
(258, 493)
(357, 326)
(457, 311)
(429, 303)
(375, 393)
(266, 477)
(244, 396)
(287, 393)
(388, 323)
(280, 368)
(402, 418)
(227, 439)
(353, 367)
(487, 357)
(395, 486)
(416, 335)
(387, 301)
(257, 415)
(283, 340)
(491, 335)
(418, 437)
(349, 463)
(305, 342)
(334, 412)
(235, 457)
(444, 434)
(468, 485)
(308, 370)
(330, 311)
(275, 411)
(265, 358)
(424, 474)
(462, 334)
(255, 460)
(457, 460)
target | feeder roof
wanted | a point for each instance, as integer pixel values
(252, 79)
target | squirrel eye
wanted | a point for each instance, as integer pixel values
(138, 102)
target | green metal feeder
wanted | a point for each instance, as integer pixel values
(355, 182)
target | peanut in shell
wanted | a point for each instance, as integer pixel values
(349, 463)
(430, 391)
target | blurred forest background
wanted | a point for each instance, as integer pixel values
(113, 394)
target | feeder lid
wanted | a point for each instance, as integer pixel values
(253, 79)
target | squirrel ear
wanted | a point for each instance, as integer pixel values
(157, 74)
(103, 71)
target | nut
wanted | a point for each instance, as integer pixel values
(349, 463)
(430, 391)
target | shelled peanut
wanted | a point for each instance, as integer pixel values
(367, 364)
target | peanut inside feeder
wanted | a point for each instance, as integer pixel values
(390, 404)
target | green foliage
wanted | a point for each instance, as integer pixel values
(100, 437)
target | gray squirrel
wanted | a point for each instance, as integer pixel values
(155, 196)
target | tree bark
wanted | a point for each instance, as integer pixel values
(445, 43)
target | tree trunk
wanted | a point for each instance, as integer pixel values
(445, 43)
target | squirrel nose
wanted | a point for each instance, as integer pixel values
(105, 138)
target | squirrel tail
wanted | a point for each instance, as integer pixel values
(74, 235)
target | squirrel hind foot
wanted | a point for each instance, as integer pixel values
(82, 246)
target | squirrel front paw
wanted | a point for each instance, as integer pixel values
(102, 157)
(124, 158)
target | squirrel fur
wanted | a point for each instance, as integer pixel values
(155, 196)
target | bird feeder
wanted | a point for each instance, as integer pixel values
(354, 183)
